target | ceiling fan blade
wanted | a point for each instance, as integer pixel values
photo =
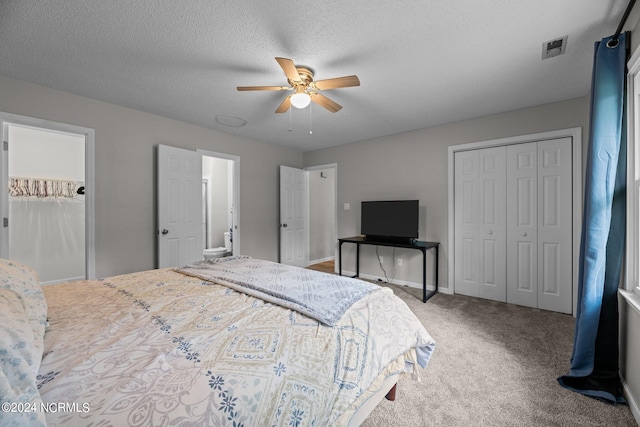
(244, 88)
(347, 81)
(325, 102)
(289, 69)
(285, 105)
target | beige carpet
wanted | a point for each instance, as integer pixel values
(495, 364)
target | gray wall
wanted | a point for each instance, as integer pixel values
(322, 212)
(126, 143)
(413, 165)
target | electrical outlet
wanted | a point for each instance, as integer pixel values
(399, 262)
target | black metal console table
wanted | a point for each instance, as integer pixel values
(421, 246)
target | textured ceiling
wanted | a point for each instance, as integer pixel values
(420, 62)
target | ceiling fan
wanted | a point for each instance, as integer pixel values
(305, 89)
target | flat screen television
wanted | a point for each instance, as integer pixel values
(390, 220)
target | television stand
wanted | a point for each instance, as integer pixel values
(419, 245)
(387, 239)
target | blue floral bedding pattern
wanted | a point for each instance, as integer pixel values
(23, 315)
(25, 283)
(19, 362)
(163, 348)
(321, 296)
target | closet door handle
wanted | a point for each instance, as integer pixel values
(490, 232)
(524, 234)
(165, 231)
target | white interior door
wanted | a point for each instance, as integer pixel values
(294, 202)
(480, 223)
(180, 239)
(467, 222)
(522, 224)
(493, 237)
(555, 225)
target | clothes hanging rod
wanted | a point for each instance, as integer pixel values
(624, 19)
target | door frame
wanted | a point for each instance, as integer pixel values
(576, 147)
(7, 119)
(236, 194)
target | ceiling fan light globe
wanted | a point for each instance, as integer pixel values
(300, 100)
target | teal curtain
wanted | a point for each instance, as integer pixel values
(594, 362)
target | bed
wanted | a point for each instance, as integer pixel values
(223, 342)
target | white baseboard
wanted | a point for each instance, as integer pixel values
(395, 281)
(633, 405)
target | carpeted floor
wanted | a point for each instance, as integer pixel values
(495, 364)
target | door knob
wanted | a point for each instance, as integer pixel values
(165, 231)
(284, 225)
(524, 234)
(490, 232)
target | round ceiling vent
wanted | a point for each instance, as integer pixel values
(231, 121)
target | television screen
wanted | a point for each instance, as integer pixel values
(390, 219)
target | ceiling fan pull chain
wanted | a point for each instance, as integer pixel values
(310, 131)
(290, 128)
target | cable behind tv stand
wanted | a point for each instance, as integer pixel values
(413, 244)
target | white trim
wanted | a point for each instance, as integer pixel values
(633, 404)
(7, 119)
(632, 299)
(630, 291)
(576, 135)
(632, 267)
(236, 194)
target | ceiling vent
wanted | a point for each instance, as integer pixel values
(554, 47)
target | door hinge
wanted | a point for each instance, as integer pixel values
(5, 222)
(5, 145)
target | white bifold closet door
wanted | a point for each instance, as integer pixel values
(480, 217)
(513, 224)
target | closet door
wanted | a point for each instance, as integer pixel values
(493, 226)
(480, 223)
(555, 225)
(539, 225)
(522, 224)
(467, 222)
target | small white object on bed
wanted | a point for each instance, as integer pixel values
(164, 348)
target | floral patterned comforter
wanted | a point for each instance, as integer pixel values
(165, 349)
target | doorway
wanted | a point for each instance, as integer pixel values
(47, 204)
(185, 203)
(217, 204)
(308, 215)
(323, 230)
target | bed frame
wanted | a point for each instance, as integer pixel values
(386, 391)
